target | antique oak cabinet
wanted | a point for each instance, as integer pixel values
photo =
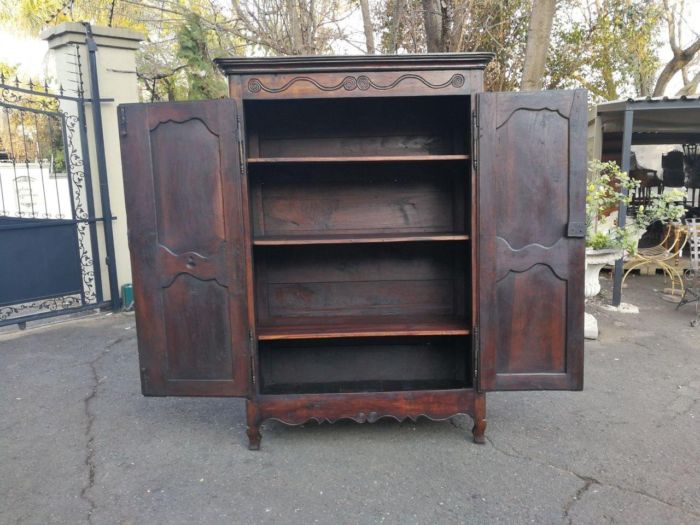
(358, 237)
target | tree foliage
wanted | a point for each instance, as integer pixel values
(610, 47)
(293, 27)
(496, 26)
(194, 41)
(682, 57)
(34, 15)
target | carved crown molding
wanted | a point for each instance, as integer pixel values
(351, 83)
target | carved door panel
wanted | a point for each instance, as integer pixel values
(531, 177)
(187, 231)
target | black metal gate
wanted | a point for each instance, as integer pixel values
(50, 235)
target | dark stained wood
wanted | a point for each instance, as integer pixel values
(358, 265)
(367, 385)
(479, 418)
(374, 158)
(366, 407)
(352, 365)
(413, 279)
(236, 66)
(254, 420)
(531, 188)
(437, 405)
(334, 327)
(361, 85)
(357, 239)
(187, 238)
(416, 126)
(317, 201)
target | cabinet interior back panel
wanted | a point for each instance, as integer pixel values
(361, 364)
(413, 279)
(358, 127)
(359, 198)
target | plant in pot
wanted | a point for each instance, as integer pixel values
(606, 241)
(662, 208)
(608, 187)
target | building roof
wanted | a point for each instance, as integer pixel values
(662, 115)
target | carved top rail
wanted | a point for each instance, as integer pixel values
(355, 76)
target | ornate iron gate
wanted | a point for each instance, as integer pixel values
(49, 231)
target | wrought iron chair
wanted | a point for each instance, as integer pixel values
(692, 274)
(665, 256)
(673, 172)
(648, 180)
(691, 160)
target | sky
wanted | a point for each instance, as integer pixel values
(30, 53)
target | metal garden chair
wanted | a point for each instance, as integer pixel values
(691, 293)
(665, 256)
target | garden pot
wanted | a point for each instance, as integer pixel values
(595, 260)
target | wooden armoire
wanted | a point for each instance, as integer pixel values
(358, 237)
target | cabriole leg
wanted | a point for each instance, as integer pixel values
(479, 419)
(253, 420)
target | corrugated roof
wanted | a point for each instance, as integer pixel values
(649, 103)
(679, 115)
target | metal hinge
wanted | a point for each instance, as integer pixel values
(239, 136)
(122, 120)
(576, 229)
(252, 355)
(475, 139)
(477, 352)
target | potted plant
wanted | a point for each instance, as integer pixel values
(661, 207)
(608, 187)
(606, 241)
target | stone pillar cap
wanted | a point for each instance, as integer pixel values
(69, 33)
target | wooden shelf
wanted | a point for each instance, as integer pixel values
(376, 158)
(358, 239)
(351, 387)
(334, 327)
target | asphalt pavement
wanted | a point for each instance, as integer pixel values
(80, 444)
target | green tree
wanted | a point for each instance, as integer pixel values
(203, 80)
(34, 15)
(608, 46)
(497, 26)
(176, 31)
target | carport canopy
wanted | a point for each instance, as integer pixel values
(656, 120)
(646, 121)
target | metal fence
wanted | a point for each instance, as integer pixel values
(50, 234)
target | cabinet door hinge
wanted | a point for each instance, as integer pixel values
(477, 354)
(239, 136)
(475, 139)
(122, 120)
(251, 345)
(576, 229)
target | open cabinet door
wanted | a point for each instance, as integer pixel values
(531, 180)
(187, 222)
